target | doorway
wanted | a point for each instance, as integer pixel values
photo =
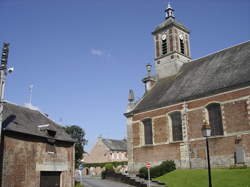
(50, 179)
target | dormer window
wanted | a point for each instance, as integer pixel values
(51, 133)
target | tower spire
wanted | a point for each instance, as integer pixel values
(169, 11)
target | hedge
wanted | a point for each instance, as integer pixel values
(115, 164)
(156, 171)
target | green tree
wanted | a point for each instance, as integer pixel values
(78, 134)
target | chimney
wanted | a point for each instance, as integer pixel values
(149, 79)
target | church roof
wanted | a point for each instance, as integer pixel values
(219, 72)
(115, 145)
(26, 121)
(169, 23)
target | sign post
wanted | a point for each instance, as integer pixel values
(81, 168)
(148, 165)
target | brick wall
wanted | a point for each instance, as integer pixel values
(101, 154)
(160, 129)
(236, 123)
(235, 114)
(157, 153)
(136, 134)
(22, 157)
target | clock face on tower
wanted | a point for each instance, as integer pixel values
(163, 37)
(181, 36)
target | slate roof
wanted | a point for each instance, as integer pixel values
(169, 23)
(24, 120)
(115, 145)
(219, 72)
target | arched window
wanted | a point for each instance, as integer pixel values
(176, 126)
(164, 46)
(182, 46)
(148, 131)
(215, 120)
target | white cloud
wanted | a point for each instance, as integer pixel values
(97, 52)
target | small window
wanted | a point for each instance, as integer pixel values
(215, 120)
(182, 46)
(148, 131)
(51, 133)
(164, 46)
(176, 126)
(117, 156)
(50, 148)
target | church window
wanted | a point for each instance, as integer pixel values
(215, 119)
(182, 46)
(148, 131)
(164, 47)
(176, 126)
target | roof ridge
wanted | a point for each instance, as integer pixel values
(38, 111)
(21, 106)
(225, 49)
(113, 139)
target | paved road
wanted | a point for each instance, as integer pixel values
(95, 182)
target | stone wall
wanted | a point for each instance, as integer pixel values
(24, 159)
(191, 152)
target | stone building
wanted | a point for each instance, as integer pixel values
(165, 124)
(104, 151)
(36, 152)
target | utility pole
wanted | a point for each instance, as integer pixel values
(3, 73)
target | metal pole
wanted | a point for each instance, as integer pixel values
(148, 177)
(2, 83)
(3, 73)
(208, 165)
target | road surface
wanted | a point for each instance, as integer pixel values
(96, 182)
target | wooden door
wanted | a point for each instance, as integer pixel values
(50, 179)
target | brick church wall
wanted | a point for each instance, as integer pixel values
(235, 109)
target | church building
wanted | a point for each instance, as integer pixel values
(184, 95)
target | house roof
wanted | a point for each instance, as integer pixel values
(115, 145)
(219, 72)
(24, 120)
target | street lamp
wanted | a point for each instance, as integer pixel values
(206, 132)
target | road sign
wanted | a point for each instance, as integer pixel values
(148, 165)
(81, 167)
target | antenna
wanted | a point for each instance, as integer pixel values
(30, 93)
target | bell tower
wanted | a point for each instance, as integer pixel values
(172, 48)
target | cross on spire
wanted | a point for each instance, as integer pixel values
(169, 11)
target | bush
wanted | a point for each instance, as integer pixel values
(77, 184)
(143, 172)
(163, 168)
(115, 164)
(238, 167)
(109, 167)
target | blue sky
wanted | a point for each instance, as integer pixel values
(82, 56)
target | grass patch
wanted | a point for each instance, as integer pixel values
(199, 178)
